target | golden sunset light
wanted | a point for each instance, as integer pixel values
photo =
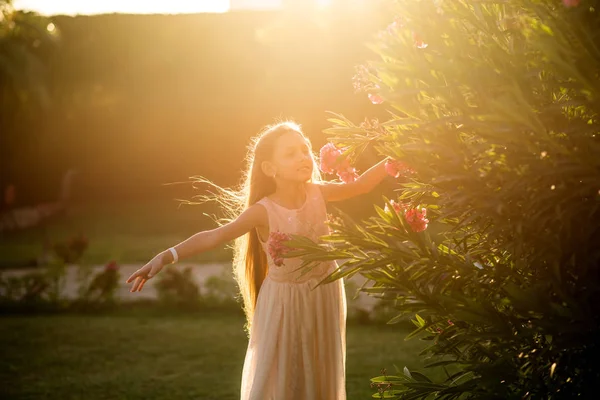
(70, 7)
(299, 199)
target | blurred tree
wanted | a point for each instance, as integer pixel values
(124, 87)
(493, 245)
(26, 40)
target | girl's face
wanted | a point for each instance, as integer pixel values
(292, 159)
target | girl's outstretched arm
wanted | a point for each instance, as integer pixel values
(208, 240)
(253, 217)
(334, 191)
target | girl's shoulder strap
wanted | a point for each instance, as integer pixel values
(270, 213)
(264, 202)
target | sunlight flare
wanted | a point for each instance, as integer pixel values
(70, 7)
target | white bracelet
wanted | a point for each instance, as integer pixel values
(175, 256)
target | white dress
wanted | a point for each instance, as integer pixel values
(297, 344)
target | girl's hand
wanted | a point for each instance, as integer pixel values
(142, 275)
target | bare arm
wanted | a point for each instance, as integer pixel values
(200, 242)
(333, 191)
(254, 216)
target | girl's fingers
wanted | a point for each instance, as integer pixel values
(138, 280)
(137, 274)
(133, 276)
(136, 284)
(142, 284)
(132, 287)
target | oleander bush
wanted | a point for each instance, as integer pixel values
(491, 245)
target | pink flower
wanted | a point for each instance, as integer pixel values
(419, 41)
(375, 98)
(277, 248)
(345, 172)
(111, 266)
(571, 3)
(397, 168)
(347, 175)
(398, 207)
(328, 156)
(416, 219)
(330, 163)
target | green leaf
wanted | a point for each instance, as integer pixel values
(420, 377)
(389, 378)
(395, 319)
(423, 326)
(441, 363)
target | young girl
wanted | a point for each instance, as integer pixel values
(297, 334)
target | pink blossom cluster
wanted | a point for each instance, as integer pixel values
(375, 98)
(277, 248)
(397, 168)
(419, 43)
(398, 24)
(400, 208)
(330, 163)
(362, 83)
(415, 217)
(571, 3)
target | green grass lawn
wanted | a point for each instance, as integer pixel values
(145, 356)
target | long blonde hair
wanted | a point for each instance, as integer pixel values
(249, 260)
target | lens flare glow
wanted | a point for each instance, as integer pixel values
(74, 7)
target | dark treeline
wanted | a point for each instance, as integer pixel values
(142, 100)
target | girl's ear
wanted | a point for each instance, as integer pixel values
(268, 168)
